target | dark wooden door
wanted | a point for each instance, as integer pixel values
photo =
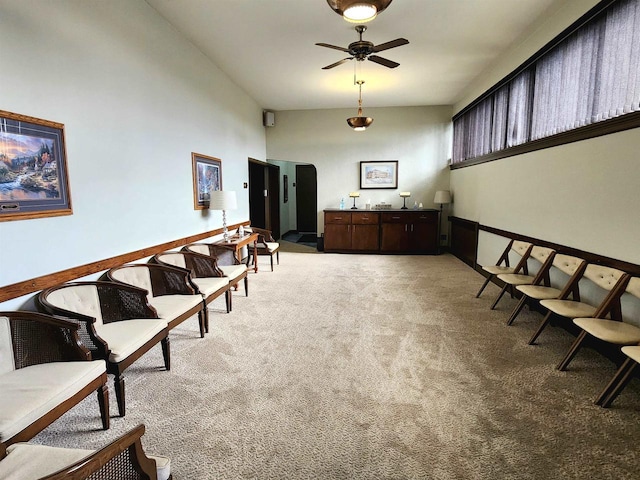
(256, 194)
(306, 199)
(272, 206)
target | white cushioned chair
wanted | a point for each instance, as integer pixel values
(542, 289)
(170, 291)
(122, 458)
(116, 323)
(226, 261)
(44, 372)
(543, 256)
(503, 265)
(605, 278)
(204, 273)
(614, 331)
(266, 245)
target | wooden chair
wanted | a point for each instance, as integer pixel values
(615, 331)
(622, 377)
(266, 245)
(116, 324)
(170, 291)
(204, 273)
(522, 249)
(44, 372)
(543, 255)
(605, 278)
(542, 289)
(122, 458)
(226, 261)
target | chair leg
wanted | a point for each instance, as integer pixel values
(166, 352)
(246, 286)
(504, 289)
(119, 388)
(202, 320)
(278, 256)
(545, 322)
(577, 344)
(271, 257)
(228, 299)
(486, 282)
(517, 310)
(103, 402)
(620, 380)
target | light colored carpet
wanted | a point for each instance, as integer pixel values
(370, 367)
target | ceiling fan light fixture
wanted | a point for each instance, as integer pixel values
(358, 11)
(360, 122)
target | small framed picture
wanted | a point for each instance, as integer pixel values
(379, 174)
(34, 181)
(207, 176)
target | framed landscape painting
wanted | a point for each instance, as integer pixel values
(379, 174)
(207, 176)
(33, 168)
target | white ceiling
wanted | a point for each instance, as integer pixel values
(267, 47)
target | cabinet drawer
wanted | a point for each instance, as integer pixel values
(340, 218)
(365, 218)
(426, 217)
(394, 218)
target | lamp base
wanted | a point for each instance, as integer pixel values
(404, 205)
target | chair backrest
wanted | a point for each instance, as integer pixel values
(520, 247)
(541, 254)
(605, 277)
(633, 287)
(175, 259)
(82, 299)
(7, 363)
(136, 275)
(201, 248)
(567, 264)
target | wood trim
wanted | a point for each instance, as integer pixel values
(590, 257)
(613, 125)
(46, 281)
(464, 240)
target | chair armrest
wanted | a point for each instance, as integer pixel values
(122, 456)
(203, 265)
(168, 280)
(86, 331)
(38, 338)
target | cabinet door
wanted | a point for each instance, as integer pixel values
(337, 237)
(424, 232)
(394, 237)
(365, 237)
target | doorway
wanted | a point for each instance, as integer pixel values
(306, 200)
(264, 196)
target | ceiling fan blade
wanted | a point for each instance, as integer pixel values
(398, 42)
(383, 61)
(337, 63)
(333, 46)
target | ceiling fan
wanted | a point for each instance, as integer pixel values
(362, 49)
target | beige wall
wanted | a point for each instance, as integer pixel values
(583, 194)
(418, 137)
(136, 99)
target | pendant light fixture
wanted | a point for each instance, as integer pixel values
(358, 11)
(359, 123)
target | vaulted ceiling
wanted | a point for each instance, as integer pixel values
(267, 47)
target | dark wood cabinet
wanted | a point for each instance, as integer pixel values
(351, 231)
(409, 232)
(397, 231)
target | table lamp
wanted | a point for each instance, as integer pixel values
(223, 200)
(354, 195)
(404, 196)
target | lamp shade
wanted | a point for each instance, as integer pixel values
(358, 11)
(442, 197)
(222, 200)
